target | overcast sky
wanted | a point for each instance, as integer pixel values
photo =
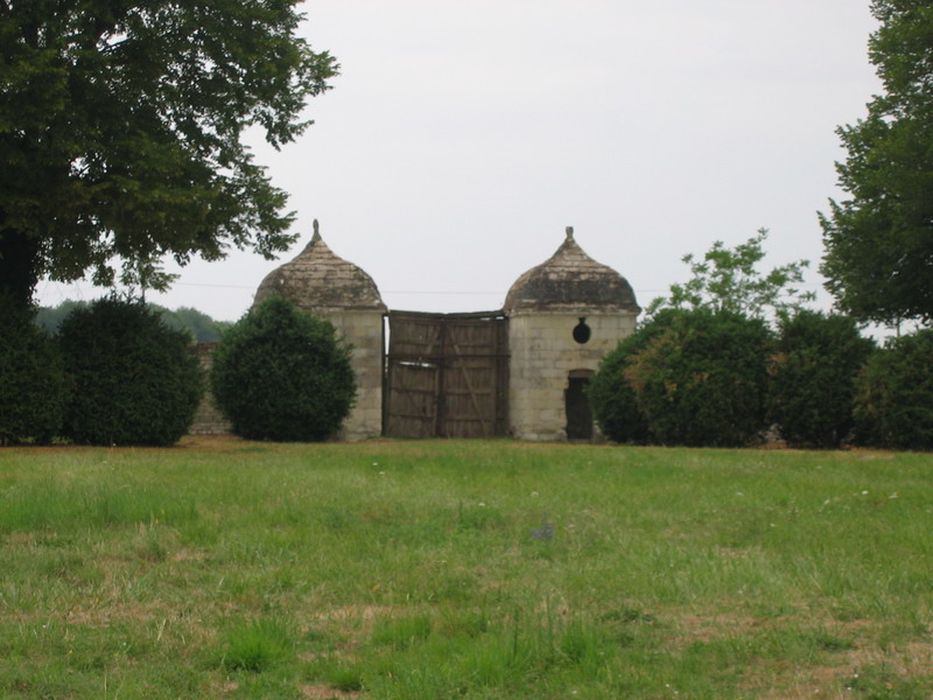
(462, 137)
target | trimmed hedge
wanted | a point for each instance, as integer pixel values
(813, 381)
(281, 374)
(136, 381)
(33, 389)
(894, 395)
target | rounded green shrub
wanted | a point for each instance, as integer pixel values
(612, 397)
(33, 390)
(894, 395)
(702, 380)
(136, 381)
(815, 363)
(281, 374)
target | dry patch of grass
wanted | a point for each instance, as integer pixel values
(845, 677)
(325, 692)
(115, 612)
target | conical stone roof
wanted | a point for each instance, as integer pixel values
(318, 280)
(570, 280)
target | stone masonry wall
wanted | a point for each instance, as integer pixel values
(543, 352)
(208, 420)
(363, 330)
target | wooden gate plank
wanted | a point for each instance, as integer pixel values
(466, 379)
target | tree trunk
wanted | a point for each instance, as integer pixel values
(19, 266)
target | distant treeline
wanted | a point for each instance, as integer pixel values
(197, 324)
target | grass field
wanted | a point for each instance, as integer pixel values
(464, 569)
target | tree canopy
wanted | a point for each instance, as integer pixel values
(121, 133)
(879, 242)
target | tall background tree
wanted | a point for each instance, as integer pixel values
(879, 242)
(198, 325)
(121, 133)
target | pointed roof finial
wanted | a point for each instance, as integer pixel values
(569, 232)
(317, 233)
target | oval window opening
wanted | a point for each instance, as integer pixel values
(581, 332)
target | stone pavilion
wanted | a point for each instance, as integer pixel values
(528, 380)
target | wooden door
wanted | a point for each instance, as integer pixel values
(579, 412)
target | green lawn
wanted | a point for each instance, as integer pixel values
(484, 569)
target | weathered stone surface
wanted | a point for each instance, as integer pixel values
(570, 280)
(317, 280)
(208, 419)
(363, 331)
(543, 353)
(544, 306)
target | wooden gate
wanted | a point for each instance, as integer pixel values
(446, 375)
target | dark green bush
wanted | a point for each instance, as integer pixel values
(32, 379)
(614, 402)
(702, 381)
(615, 406)
(136, 381)
(281, 374)
(894, 395)
(813, 380)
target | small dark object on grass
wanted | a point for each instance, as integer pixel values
(545, 532)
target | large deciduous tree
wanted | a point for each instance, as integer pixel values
(879, 242)
(121, 132)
